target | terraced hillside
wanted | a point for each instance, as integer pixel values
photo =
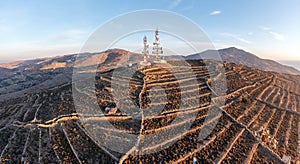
(258, 123)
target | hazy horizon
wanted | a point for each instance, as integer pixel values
(292, 63)
(35, 29)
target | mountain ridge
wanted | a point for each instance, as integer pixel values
(243, 57)
(25, 77)
(40, 118)
(252, 112)
(230, 54)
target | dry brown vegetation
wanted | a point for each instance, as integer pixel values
(44, 127)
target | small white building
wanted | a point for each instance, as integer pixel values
(286, 159)
(194, 160)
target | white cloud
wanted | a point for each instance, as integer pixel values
(277, 36)
(237, 37)
(265, 28)
(174, 4)
(216, 12)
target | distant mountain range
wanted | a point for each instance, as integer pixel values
(48, 115)
(30, 76)
(239, 56)
(232, 54)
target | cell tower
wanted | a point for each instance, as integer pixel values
(145, 53)
(128, 58)
(157, 49)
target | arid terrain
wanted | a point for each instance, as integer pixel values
(259, 121)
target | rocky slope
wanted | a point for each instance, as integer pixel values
(257, 123)
(239, 56)
(31, 76)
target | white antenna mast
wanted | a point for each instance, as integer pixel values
(157, 49)
(145, 53)
(128, 58)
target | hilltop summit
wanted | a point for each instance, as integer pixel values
(240, 56)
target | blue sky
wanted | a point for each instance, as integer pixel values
(30, 29)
